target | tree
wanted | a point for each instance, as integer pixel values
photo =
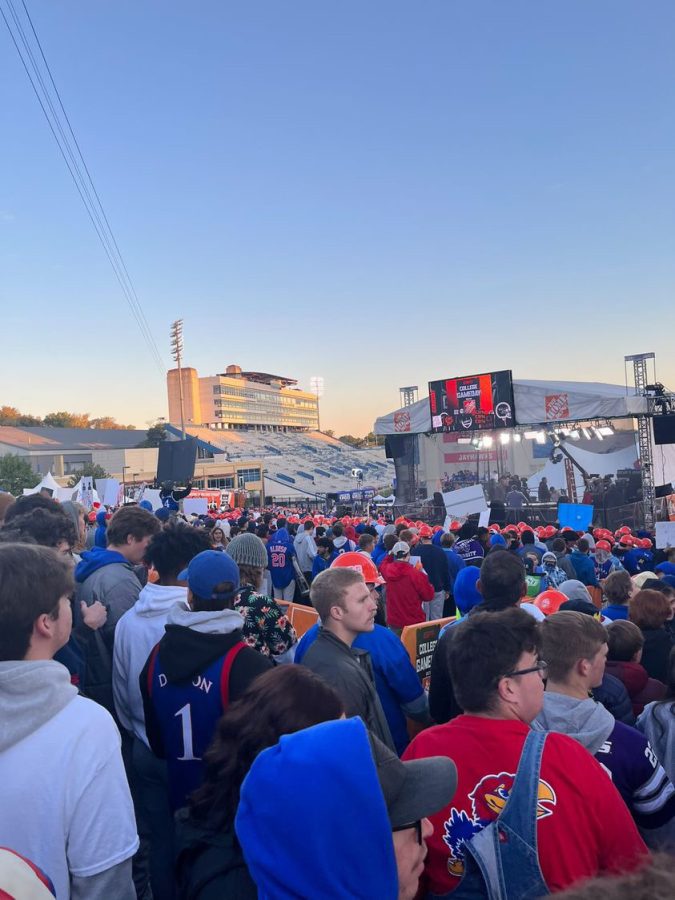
(154, 435)
(9, 415)
(110, 422)
(329, 432)
(87, 469)
(16, 474)
(351, 440)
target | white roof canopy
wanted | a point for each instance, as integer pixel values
(536, 403)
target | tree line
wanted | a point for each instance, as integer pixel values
(10, 415)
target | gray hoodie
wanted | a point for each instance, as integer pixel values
(31, 694)
(586, 721)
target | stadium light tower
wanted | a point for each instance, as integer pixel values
(316, 384)
(177, 353)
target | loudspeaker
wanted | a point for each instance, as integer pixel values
(663, 490)
(664, 429)
(176, 461)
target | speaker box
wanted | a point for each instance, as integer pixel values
(664, 429)
(176, 461)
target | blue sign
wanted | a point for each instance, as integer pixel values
(575, 515)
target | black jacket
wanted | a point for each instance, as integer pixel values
(614, 697)
(185, 653)
(350, 672)
(655, 653)
(435, 565)
(209, 862)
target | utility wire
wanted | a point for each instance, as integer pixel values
(91, 181)
(95, 210)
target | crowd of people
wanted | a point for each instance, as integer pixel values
(167, 734)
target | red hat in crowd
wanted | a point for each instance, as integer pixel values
(358, 561)
(625, 541)
(550, 601)
(603, 545)
(425, 531)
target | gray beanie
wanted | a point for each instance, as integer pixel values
(247, 550)
(574, 590)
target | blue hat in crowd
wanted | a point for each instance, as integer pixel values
(209, 569)
(465, 592)
(497, 541)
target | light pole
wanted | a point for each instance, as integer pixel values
(316, 384)
(176, 352)
(124, 486)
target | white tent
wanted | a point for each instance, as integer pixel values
(48, 483)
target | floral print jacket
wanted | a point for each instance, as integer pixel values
(266, 628)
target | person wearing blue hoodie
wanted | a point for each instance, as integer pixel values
(100, 538)
(107, 575)
(280, 553)
(360, 821)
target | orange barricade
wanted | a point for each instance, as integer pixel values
(301, 617)
(420, 641)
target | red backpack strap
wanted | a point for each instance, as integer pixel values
(151, 668)
(230, 657)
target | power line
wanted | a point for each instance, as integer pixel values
(85, 186)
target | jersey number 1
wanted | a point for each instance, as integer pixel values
(186, 722)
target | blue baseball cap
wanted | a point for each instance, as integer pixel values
(207, 570)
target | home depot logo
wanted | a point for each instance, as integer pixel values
(557, 407)
(402, 421)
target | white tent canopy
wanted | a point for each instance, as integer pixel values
(536, 403)
(48, 482)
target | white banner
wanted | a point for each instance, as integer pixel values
(196, 505)
(465, 501)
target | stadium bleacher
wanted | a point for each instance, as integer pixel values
(311, 461)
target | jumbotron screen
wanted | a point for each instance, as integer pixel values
(472, 403)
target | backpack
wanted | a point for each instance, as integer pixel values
(501, 861)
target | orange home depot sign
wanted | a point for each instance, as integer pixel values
(420, 642)
(402, 421)
(557, 407)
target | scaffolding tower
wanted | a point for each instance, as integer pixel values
(408, 395)
(644, 431)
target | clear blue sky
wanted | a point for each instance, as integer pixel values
(377, 192)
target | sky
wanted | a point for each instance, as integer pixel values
(379, 192)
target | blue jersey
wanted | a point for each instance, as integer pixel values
(280, 553)
(187, 715)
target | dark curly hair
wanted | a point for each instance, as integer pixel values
(282, 701)
(172, 549)
(40, 526)
(27, 503)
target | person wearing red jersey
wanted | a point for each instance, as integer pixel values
(577, 825)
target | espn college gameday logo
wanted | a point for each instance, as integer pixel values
(402, 421)
(557, 407)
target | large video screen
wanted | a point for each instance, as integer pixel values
(472, 402)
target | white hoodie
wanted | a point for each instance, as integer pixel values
(137, 632)
(66, 804)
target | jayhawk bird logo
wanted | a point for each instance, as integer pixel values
(488, 799)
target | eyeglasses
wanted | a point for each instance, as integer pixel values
(541, 667)
(416, 825)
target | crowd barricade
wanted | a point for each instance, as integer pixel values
(301, 617)
(420, 641)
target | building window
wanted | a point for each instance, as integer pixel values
(247, 475)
